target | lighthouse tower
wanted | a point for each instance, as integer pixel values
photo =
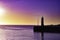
(42, 21)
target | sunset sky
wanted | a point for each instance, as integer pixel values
(27, 12)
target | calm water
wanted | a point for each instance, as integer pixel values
(24, 33)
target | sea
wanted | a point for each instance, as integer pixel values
(19, 32)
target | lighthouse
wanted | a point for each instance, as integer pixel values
(42, 21)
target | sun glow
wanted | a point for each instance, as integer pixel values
(2, 11)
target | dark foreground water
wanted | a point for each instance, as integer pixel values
(24, 33)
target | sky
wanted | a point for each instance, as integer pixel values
(28, 12)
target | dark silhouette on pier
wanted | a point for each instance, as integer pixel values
(42, 25)
(46, 28)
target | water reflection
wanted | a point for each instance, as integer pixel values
(26, 34)
(47, 36)
(37, 36)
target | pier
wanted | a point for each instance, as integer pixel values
(46, 28)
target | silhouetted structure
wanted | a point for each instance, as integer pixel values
(42, 25)
(46, 28)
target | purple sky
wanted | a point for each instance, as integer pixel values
(35, 6)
